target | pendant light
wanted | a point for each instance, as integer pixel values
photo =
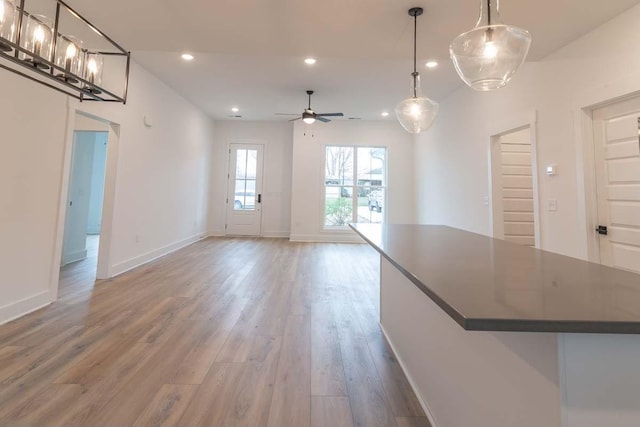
(489, 55)
(416, 113)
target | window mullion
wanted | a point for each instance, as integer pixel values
(354, 189)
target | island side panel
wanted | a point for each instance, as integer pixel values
(469, 378)
(601, 380)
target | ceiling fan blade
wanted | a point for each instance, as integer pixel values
(330, 114)
(287, 114)
(322, 119)
(293, 120)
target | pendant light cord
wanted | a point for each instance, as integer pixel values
(488, 12)
(415, 42)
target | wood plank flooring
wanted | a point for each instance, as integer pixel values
(226, 332)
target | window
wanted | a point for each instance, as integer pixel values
(355, 184)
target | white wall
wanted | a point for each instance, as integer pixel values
(161, 183)
(308, 173)
(277, 138)
(454, 174)
(33, 123)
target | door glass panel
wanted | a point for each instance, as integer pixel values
(252, 163)
(241, 164)
(245, 183)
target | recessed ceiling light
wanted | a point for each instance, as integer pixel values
(187, 57)
(432, 64)
(310, 61)
(235, 109)
(384, 114)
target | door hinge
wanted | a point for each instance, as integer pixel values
(602, 229)
(225, 226)
(227, 200)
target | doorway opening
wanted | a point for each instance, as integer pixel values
(514, 187)
(84, 202)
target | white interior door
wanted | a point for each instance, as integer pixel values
(513, 193)
(244, 190)
(617, 154)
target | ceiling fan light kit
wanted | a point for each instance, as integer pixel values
(416, 113)
(490, 54)
(43, 50)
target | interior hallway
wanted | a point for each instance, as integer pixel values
(225, 332)
(81, 274)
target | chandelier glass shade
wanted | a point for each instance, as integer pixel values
(7, 24)
(490, 54)
(38, 41)
(416, 113)
(93, 71)
(70, 57)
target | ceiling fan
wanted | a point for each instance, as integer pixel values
(309, 116)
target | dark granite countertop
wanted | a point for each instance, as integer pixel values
(487, 284)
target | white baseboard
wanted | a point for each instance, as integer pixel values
(276, 234)
(424, 405)
(25, 306)
(217, 232)
(327, 238)
(132, 263)
(73, 257)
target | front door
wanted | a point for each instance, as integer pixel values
(617, 154)
(244, 190)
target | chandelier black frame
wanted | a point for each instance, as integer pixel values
(82, 89)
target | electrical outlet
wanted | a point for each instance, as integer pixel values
(137, 238)
(485, 200)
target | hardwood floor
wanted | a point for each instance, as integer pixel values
(226, 332)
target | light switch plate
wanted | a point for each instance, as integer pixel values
(552, 205)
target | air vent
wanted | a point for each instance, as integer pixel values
(355, 118)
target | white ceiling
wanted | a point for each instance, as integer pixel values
(249, 53)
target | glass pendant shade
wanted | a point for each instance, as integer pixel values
(416, 113)
(93, 70)
(38, 39)
(7, 24)
(69, 57)
(489, 55)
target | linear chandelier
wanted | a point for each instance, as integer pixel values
(66, 53)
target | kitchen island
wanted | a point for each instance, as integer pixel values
(495, 334)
